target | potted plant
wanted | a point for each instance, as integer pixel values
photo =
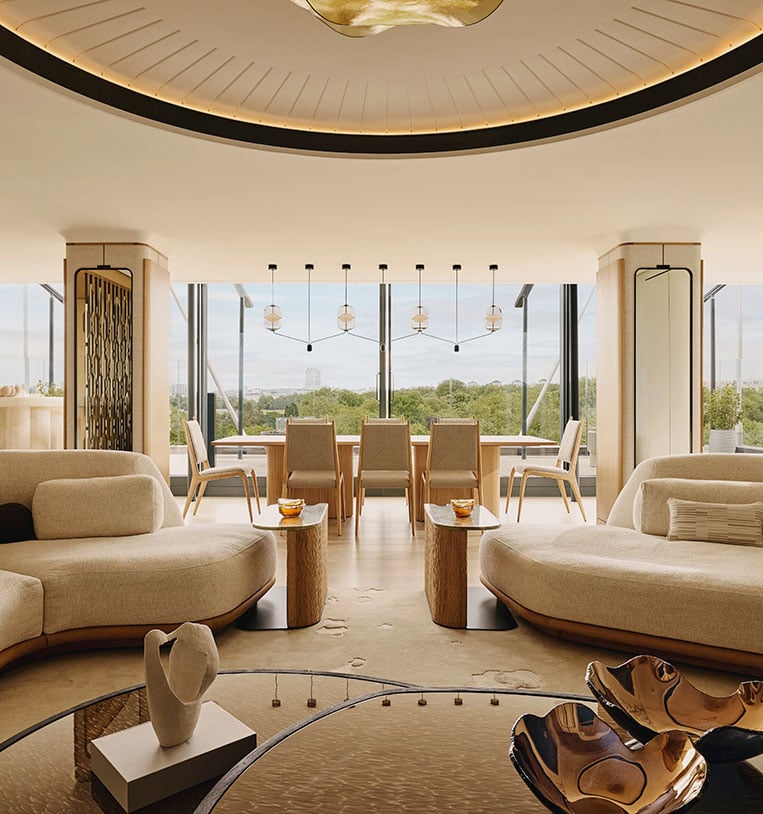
(722, 413)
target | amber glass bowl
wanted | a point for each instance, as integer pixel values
(291, 507)
(462, 508)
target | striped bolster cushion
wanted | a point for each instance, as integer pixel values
(739, 523)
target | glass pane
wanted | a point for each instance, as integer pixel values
(484, 378)
(337, 377)
(178, 379)
(31, 366)
(587, 376)
(27, 326)
(733, 333)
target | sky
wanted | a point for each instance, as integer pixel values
(276, 362)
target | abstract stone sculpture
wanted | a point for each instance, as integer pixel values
(174, 693)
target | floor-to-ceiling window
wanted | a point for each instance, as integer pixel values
(733, 336)
(456, 366)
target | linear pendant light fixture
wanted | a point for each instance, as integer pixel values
(346, 318)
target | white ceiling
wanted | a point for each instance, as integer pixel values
(71, 170)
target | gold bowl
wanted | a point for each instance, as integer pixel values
(462, 508)
(290, 507)
(647, 695)
(574, 763)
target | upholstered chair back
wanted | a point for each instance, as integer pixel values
(385, 446)
(197, 448)
(454, 446)
(570, 443)
(310, 447)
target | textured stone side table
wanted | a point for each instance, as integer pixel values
(301, 603)
(451, 602)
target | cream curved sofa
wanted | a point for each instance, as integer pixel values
(110, 589)
(612, 585)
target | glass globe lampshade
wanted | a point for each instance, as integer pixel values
(493, 319)
(419, 319)
(345, 317)
(272, 317)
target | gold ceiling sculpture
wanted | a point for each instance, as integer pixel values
(361, 18)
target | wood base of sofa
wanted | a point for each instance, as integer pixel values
(703, 655)
(91, 638)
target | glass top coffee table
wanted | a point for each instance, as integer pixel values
(328, 742)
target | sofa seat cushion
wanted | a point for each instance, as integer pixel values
(313, 479)
(173, 575)
(399, 478)
(452, 479)
(21, 610)
(97, 507)
(619, 578)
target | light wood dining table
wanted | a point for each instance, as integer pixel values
(490, 447)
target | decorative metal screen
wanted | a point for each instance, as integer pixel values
(107, 343)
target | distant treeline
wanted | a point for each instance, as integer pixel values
(497, 406)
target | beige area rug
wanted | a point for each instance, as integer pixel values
(365, 630)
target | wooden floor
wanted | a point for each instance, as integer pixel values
(384, 553)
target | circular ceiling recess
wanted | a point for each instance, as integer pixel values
(272, 72)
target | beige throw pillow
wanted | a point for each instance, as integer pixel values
(97, 507)
(650, 507)
(738, 523)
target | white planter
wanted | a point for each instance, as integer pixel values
(722, 441)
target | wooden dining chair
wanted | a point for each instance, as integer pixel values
(312, 463)
(454, 459)
(202, 472)
(385, 462)
(563, 471)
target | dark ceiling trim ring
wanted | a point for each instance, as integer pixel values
(721, 69)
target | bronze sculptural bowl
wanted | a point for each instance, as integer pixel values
(576, 764)
(647, 695)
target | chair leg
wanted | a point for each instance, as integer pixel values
(248, 494)
(358, 505)
(202, 489)
(189, 498)
(339, 507)
(563, 492)
(576, 492)
(508, 490)
(256, 491)
(521, 494)
(411, 510)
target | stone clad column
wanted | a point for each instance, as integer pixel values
(649, 359)
(116, 392)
